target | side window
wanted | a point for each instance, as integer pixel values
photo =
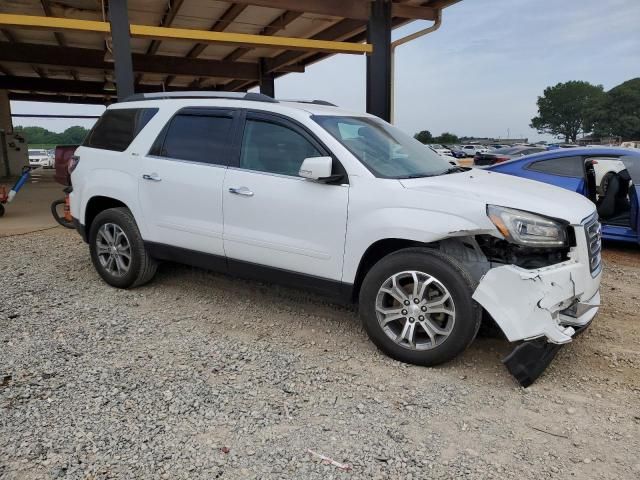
(274, 148)
(117, 128)
(198, 138)
(565, 166)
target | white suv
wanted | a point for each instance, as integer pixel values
(341, 203)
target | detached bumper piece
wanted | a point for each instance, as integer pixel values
(530, 359)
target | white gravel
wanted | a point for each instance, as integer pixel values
(202, 376)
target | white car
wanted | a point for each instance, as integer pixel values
(441, 150)
(605, 168)
(340, 203)
(471, 150)
(40, 158)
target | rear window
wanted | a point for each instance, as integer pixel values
(116, 129)
(563, 166)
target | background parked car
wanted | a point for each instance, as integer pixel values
(40, 158)
(575, 169)
(441, 149)
(471, 150)
(456, 151)
(483, 159)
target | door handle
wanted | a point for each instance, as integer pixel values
(153, 177)
(241, 191)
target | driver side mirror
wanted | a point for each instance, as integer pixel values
(316, 168)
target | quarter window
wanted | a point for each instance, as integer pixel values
(198, 138)
(274, 148)
(117, 128)
(565, 166)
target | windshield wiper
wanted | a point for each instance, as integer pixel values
(419, 175)
(453, 170)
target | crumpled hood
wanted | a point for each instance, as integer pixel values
(508, 191)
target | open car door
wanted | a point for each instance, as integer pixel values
(633, 167)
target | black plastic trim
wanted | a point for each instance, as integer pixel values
(530, 359)
(80, 228)
(342, 292)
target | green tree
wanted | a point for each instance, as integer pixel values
(73, 135)
(619, 112)
(424, 136)
(447, 138)
(42, 136)
(566, 109)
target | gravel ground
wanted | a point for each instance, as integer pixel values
(198, 375)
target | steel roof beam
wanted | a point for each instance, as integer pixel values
(184, 34)
(158, 64)
(58, 86)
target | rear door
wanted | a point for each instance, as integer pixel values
(273, 217)
(181, 179)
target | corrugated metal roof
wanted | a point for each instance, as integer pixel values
(245, 17)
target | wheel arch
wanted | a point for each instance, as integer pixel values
(97, 204)
(377, 251)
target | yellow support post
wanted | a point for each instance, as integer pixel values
(201, 36)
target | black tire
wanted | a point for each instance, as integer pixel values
(60, 219)
(1, 210)
(142, 267)
(452, 275)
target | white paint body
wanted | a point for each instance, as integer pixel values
(323, 230)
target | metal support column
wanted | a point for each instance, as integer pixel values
(379, 62)
(121, 41)
(267, 80)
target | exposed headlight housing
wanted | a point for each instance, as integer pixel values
(528, 229)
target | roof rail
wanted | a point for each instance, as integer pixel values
(255, 97)
(314, 102)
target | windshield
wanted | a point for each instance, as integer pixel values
(37, 152)
(385, 150)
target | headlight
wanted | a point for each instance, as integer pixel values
(524, 228)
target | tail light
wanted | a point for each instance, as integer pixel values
(501, 158)
(73, 163)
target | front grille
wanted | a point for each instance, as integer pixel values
(592, 230)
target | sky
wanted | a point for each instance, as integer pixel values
(479, 75)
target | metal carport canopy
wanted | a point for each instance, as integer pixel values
(78, 51)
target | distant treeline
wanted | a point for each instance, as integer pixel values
(42, 136)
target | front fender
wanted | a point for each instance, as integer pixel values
(414, 224)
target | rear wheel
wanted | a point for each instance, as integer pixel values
(416, 306)
(117, 249)
(1, 210)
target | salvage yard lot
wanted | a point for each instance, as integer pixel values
(198, 375)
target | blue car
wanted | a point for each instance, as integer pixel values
(609, 177)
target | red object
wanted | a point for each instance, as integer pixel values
(62, 159)
(4, 196)
(67, 208)
(500, 159)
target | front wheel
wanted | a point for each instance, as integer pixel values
(117, 249)
(416, 306)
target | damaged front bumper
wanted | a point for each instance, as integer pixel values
(544, 307)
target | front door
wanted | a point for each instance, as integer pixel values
(273, 217)
(181, 180)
